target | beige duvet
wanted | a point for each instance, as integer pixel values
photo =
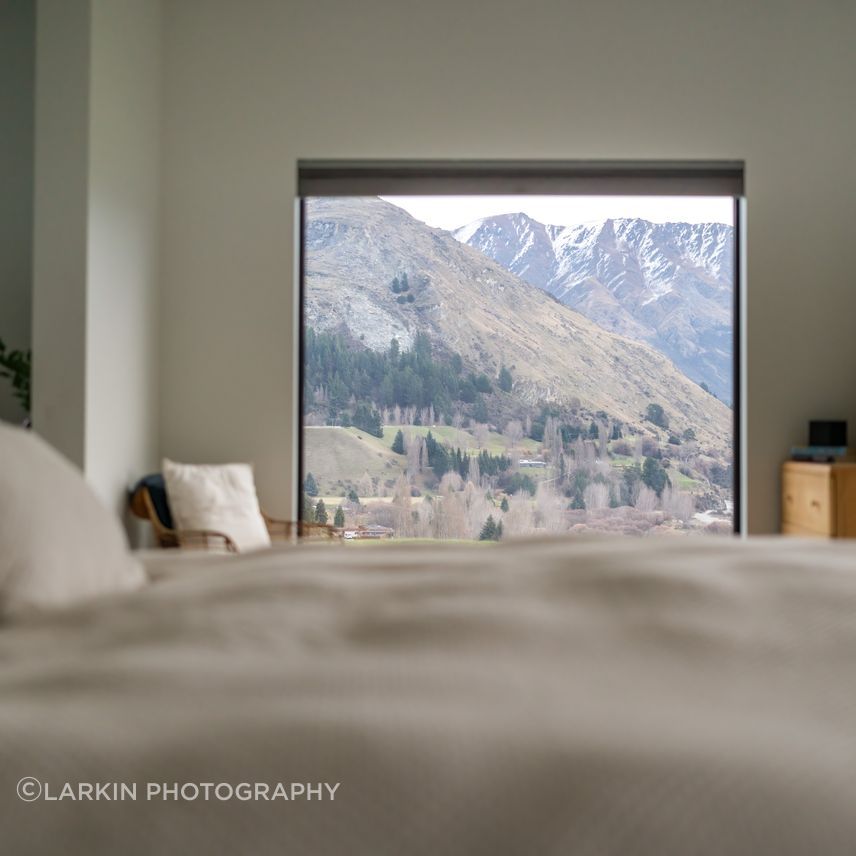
(654, 697)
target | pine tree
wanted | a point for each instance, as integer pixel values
(321, 512)
(504, 504)
(654, 475)
(307, 512)
(339, 518)
(505, 379)
(498, 531)
(398, 443)
(489, 532)
(310, 486)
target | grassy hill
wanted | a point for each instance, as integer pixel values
(336, 456)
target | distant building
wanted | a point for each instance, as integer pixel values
(526, 462)
(367, 533)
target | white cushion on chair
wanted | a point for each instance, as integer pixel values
(218, 498)
(58, 544)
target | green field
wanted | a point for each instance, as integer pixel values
(338, 456)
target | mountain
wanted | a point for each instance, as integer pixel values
(667, 284)
(475, 307)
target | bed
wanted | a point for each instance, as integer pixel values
(664, 697)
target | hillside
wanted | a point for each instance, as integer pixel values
(489, 316)
(667, 284)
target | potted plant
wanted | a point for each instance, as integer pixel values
(16, 365)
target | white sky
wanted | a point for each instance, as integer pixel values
(449, 212)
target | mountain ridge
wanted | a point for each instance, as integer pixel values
(669, 285)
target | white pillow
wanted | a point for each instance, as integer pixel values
(58, 543)
(219, 498)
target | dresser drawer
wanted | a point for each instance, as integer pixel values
(808, 504)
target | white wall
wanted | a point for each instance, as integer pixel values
(122, 306)
(97, 206)
(60, 225)
(252, 86)
(17, 96)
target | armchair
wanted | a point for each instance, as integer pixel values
(148, 501)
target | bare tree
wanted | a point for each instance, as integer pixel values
(513, 432)
(646, 500)
(549, 509)
(416, 457)
(366, 486)
(678, 504)
(520, 518)
(596, 495)
(552, 438)
(401, 502)
(474, 474)
(482, 434)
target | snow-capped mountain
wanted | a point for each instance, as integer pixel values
(667, 284)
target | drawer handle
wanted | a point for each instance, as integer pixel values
(788, 498)
(815, 504)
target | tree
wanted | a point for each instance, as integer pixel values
(309, 485)
(505, 379)
(367, 419)
(307, 512)
(689, 434)
(339, 518)
(657, 416)
(513, 432)
(654, 476)
(480, 413)
(353, 496)
(321, 512)
(482, 383)
(503, 506)
(489, 530)
(398, 443)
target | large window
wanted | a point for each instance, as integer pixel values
(489, 364)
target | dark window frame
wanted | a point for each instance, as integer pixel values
(543, 178)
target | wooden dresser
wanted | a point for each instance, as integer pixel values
(819, 499)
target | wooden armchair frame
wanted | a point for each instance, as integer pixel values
(287, 531)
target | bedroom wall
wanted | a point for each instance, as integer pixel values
(123, 275)
(17, 99)
(251, 87)
(96, 336)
